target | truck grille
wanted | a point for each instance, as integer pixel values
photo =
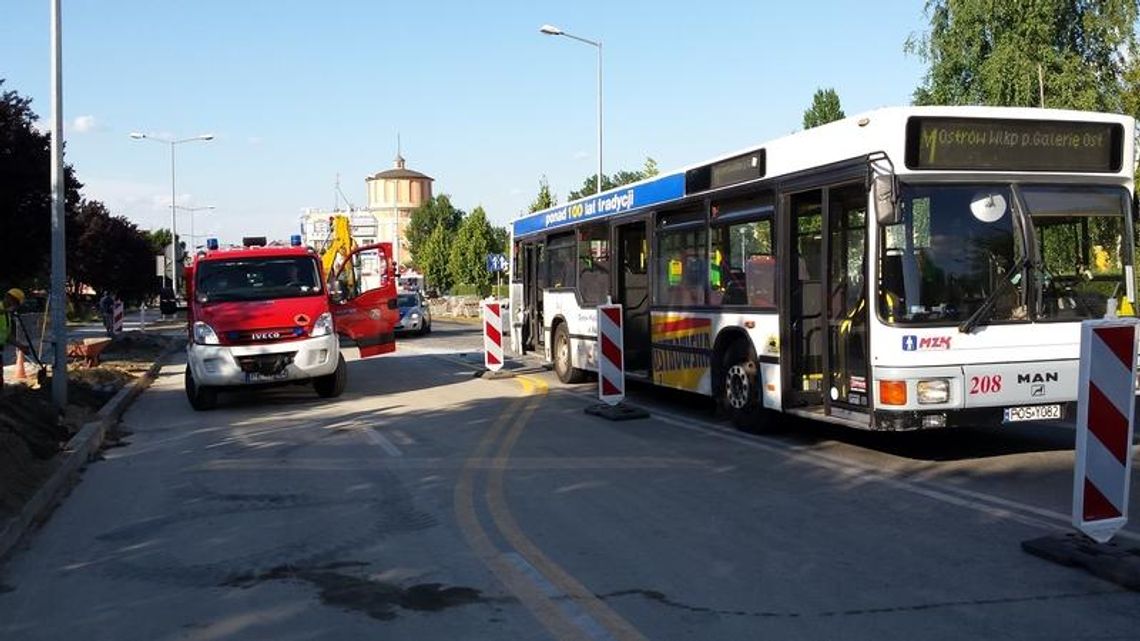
(264, 335)
(265, 364)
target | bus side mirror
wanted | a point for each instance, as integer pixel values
(886, 200)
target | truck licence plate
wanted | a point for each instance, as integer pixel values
(254, 377)
(1032, 413)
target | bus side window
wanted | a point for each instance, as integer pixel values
(594, 263)
(742, 268)
(682, 267)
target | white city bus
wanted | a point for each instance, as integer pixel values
(908, 268)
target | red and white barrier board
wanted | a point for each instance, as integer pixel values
(1106, 403)
(611, 355)
(492, 337)
(117, 318)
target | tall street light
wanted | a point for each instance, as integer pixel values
(551, 30)
(173, 217)
(192, 210)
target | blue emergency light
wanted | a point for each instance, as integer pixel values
(211, 244)
(295, 240)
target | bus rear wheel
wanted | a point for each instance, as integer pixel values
(563, 363)
(739, 396)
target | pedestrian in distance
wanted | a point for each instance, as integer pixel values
(13, 298)
(107, 311)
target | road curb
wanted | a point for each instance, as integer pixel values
(74, 456)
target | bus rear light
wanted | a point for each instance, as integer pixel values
(892, 392)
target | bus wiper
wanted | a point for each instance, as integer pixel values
(1012, 278)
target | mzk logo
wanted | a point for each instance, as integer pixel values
(912, 343)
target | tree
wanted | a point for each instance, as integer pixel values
(500, 240)
(109, 252)
(25, 193)
(824, 109)
(545, 198)
(468, 260)
(436, 212)
(624, 177)
(1054, 53)
(434, 257)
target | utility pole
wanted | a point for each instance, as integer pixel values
(58, 226)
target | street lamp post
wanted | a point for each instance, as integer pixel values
(551, 30)
(192, 210)
(173, 206)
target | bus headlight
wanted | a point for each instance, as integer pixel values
(933, 391)
(204, 334)
(323, 326)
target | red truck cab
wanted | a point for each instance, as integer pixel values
(264, 315)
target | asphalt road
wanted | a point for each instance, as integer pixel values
(431, 504)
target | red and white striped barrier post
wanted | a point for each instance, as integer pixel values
(1106, 404)
(492, 337)
(611, 357)
(117, 318)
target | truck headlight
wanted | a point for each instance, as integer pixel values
(414, 316)
(204, 334)
(933, 391)
(323, 326)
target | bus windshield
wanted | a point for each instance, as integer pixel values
(961, 247)
(250, 279)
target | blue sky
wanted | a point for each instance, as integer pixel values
(298, 92)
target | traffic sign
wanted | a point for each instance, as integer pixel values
(492, 337)
(611, 360)
(1105, 415)
(497, 263)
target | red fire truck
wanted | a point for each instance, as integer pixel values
(265, 315)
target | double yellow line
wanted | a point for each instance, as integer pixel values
(551, 610)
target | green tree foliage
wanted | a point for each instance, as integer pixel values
(500, 240)
(434, 257)
(25, 193)
(824, 108)
(545, 198)
(618, 179)
(468, 260)
(984, 52)
(437, 211)
(109, 253)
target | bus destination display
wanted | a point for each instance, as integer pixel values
(1013, 145)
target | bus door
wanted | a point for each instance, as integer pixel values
(827, 303)
(633, 293)
(847, 297)
(533, 271)
(805, 346)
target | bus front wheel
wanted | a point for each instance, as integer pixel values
(563, 361)
(739, 396)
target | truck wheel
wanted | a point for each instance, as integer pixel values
(426, 329)
(563, 363)
(201, 397)
(332, 385)
(739, 396)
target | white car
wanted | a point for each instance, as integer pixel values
(415, 315)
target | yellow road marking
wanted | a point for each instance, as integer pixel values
(617, 626)
(544, 610)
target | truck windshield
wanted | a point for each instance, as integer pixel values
(959, 246)
(248, 279)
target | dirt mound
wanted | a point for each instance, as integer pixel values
(30, 435)
(136, 346)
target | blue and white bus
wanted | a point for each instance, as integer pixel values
(908, 268)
